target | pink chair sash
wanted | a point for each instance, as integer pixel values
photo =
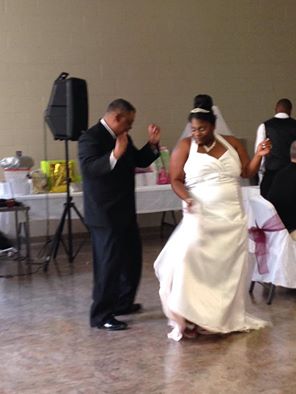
(258, 235)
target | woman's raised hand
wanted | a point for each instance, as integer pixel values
(264, 147)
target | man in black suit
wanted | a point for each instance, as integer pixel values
(108, 159)
(281, 130)
(282, 193)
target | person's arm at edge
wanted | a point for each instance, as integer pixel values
(177, 175)
(260, 136)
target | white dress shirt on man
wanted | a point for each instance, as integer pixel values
(261, 135)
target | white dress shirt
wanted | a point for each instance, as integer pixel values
(261, 136)
(113, 160)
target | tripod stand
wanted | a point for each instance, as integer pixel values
(66, 216)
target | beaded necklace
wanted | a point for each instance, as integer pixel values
(209, 148)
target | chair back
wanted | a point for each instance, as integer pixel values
(280, 256)
(263, 210)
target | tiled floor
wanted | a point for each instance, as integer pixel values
(47, 346)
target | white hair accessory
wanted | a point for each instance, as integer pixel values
(196, 110)
(221, 126)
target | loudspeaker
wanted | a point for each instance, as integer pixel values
(67, 110)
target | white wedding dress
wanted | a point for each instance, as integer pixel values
(203, 268)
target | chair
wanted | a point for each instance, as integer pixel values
(273, 248)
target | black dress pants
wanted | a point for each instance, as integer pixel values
(266, 183)
(117, 266)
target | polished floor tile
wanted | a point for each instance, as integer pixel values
(47, 346)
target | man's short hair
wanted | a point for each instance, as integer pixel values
(285, 104)
(120, 105)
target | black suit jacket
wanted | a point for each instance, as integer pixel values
(282, 195)
(109, 194)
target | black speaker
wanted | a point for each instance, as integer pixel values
(67, 110)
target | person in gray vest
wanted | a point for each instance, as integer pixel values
(281, 130)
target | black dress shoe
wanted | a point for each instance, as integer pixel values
(134, 308)
(113, 324)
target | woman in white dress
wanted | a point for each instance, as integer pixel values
(202, 269)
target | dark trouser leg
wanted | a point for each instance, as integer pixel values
(266, 182)
(131, 268)
(106, 247)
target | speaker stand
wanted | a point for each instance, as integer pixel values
(66, 217)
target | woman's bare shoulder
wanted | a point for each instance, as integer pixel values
(231, 139)
(182, 148)
(184, 143)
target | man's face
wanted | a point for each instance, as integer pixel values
(124, 122)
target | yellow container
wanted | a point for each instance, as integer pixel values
(55, 171)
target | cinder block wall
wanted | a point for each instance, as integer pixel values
(158, 54)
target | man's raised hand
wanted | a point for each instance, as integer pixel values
(120, 145)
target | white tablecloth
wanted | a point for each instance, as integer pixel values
(248, 192)
(149, 199)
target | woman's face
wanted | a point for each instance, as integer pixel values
(202, 131)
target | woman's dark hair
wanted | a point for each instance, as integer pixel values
(207, 116)
(203, 101)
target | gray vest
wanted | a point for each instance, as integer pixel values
(281, 132)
